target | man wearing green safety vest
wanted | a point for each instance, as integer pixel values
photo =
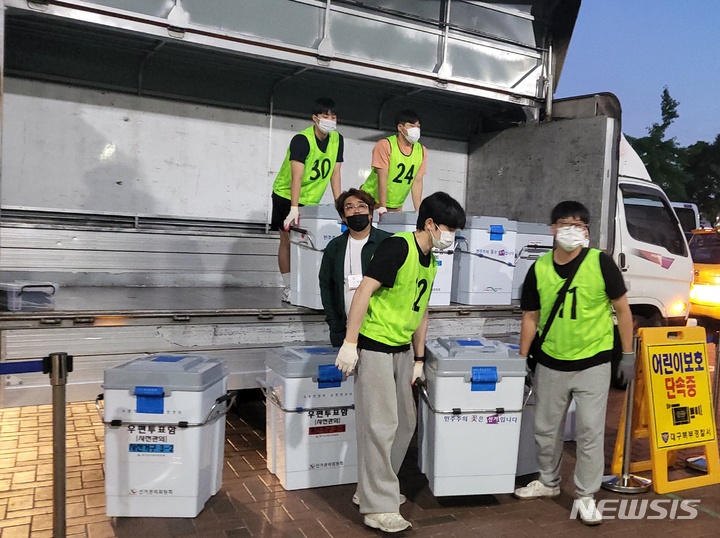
(312, 161)
(573, 358)
(398, 166)
(388, 313)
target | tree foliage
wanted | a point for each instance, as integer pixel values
(703, 166)
(665, 160)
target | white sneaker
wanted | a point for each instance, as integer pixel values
(286, 294)
(387, 522)
(587, 510)
(536, 490)
(356, 499)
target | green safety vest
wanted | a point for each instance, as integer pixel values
(401, 174)
(583, 327)
(319, 167)
(395, 313)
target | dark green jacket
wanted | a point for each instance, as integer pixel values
(332, 279)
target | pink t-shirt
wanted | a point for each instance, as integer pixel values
(381, 156)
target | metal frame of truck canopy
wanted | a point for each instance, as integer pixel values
(473, 61)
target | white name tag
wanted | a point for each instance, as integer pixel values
(353, 281)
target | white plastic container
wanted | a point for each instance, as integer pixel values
(406, 221)
(484, 260)
(164, 435)
(310, 419)
(27, 296)
(320, 224)
(472, 450)
(532, 241)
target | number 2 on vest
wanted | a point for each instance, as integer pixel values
(422, 288)
(409, 176)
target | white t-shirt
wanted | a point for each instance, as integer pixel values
(353, 266)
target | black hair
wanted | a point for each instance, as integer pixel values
(443, 209)
(570, 209)
(324, 105)
(357, 193)
(406, 116)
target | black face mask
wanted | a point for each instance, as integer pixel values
(357, 223)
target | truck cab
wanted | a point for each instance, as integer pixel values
(650, 247)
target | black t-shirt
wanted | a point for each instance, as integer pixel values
(384, 266)
(614, 283)
(300, 147)
(530, 302)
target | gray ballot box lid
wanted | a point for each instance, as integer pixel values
(399, 217)
(534, 228)
(190, 373)
(322, 211)
(452, 357)
(484, 223)
(300, 361)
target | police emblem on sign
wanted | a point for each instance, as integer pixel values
(665, 437)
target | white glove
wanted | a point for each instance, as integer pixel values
(626, 368)
(381, 210)
(418, 371)
(292, 218)
(347, 357)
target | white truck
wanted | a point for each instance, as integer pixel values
(140, 141)
(688, 215)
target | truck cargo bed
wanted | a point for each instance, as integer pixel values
(104, 326)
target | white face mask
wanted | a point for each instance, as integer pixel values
(571, 237)
(446, 239)
(413, 134)
(326, 126)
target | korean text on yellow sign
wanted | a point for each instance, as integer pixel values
(679, 382)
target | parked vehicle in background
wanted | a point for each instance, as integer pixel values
(705, 289)
(688, 215)
(650, 248)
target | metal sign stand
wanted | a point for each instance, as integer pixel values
(627, 483)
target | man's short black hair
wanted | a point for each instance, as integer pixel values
(443, 209)
(406, 116)
(324, 105)
(570, 209)
(357, 193)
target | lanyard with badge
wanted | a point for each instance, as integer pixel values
(353, 279)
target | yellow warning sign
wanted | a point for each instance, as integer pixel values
(680, 393)
(675, 374)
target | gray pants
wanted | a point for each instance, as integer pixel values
(385, 419)
(553, 392)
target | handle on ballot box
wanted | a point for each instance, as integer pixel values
(221, 406)
(422, 388)
(307, 240)
(273, 397)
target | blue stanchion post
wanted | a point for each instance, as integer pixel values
(57, 365)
